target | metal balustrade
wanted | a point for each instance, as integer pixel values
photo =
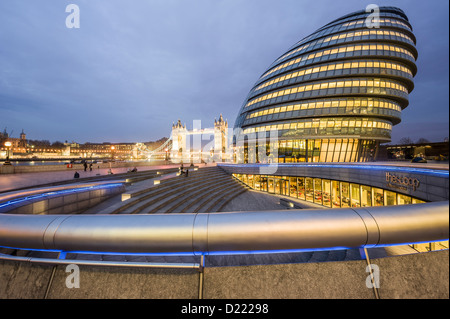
(207, 233)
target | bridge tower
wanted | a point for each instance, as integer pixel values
(179, 133)
(220, 138)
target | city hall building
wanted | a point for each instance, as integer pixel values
(334, 96)
(328, 103)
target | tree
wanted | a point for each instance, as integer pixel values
(422, 141)
(58, 144)
(406, 140)
(40, 143)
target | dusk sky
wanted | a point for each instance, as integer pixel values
(135, 67)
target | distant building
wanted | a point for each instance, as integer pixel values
(430, 151)
(18, 144)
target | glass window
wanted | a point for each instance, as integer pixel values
(337, 151)
(354, 195)
(390, 198)
(378, 196)
(278, 186)
(257, 182)
(271, 185)
(417, 201)
(330, 150)
(326, 193)
(309, 189)
(318, 191)
(285, 186)
(250, 181)
(366, 196)
(345, 194)
(264, 183)
(335, 194)
(301, 187)
(344, 151)
(293, 187)
(404, 199)
(323, 151)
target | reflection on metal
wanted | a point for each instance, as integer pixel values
(239, 231)
(100, 263)
(12, 198)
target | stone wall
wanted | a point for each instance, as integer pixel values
(72, 201)
(413, 276)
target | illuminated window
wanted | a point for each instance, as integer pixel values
(391, 48)
(378, 197)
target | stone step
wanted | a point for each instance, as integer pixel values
(198, 195)
(150, 192)
(177, 195)
(196, 203)
(221, 201)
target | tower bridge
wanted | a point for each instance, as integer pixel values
(216, 150)
(180, 149)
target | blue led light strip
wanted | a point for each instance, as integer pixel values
(218, 253)
(424, 171)
(60, 192)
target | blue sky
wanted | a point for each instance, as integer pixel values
(134, 67)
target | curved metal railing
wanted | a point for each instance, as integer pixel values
(225, 232)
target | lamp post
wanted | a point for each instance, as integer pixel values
(8, 146)
(112, 155)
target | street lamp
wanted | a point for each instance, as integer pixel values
(8, 145)
(112, 155)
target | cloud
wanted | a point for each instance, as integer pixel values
(135, 67)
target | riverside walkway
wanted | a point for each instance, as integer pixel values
(10, 182)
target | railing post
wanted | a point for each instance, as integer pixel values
(201, 277)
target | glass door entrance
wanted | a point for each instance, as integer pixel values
(282, 186)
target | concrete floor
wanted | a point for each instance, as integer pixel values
(253, 200)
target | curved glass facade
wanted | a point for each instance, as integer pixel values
(333, 96)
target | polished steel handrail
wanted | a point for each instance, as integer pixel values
(225, 232)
